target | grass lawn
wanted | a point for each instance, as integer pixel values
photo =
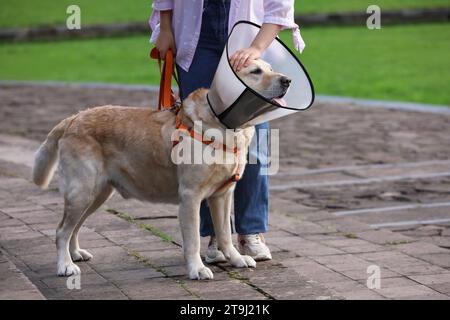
(15, 13)
(405, 63)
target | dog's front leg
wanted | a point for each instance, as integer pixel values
(220, 207)
(189, 216)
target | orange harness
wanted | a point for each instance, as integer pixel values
(167, 101)
(179, 125)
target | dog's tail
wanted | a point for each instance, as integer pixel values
(47, 154)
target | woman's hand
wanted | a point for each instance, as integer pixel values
(263, 39)
(165, 42)
(165, 39)
(242, 58)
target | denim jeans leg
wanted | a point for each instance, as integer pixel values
(213, 35)
(251, 197)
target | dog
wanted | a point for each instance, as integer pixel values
(128, 149)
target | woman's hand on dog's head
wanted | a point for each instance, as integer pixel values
(243, 57)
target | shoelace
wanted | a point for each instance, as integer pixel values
(253, 239)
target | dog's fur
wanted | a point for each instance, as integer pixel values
(129, 150)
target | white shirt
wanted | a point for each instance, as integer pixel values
(187, 21)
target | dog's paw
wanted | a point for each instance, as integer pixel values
(243, 262)
(81, 255)
(69, 269)
(201, 273)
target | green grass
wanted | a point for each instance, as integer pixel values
(14, 13)
(305, 6)
(405, 63)
(121, 60)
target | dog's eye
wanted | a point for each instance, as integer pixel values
(256, 71)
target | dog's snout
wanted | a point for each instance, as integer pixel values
(285, 81)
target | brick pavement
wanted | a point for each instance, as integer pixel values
(317, 255)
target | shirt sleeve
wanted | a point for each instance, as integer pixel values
(161, 5)
(281, 12)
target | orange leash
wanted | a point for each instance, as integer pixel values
(167, 100)
(166, 96)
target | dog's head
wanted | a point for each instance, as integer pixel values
(259, 76)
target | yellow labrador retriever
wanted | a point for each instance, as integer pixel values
(129, 150)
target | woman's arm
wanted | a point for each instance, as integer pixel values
(165, 39)
(263, 39)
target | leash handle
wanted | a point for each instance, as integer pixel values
(166, 96)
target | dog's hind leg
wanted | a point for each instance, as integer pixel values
(189, 217)
(75, 206)
(220, 208)
(76, 252)
(80, 168)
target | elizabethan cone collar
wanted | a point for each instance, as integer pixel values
(235, 104)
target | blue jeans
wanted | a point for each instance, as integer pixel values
(251, 196)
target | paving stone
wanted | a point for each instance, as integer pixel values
(421, 248)
(295, 225)
(434, 296)
(94, 292)
(14, 285)
(10, 222)
(95, 243)
(364, 248)
(342, 262)
(86, 279)
(440, 259)
(361, 273)
(304, 247)
(432, 279)
(422, 269)
(344, 224)
(443, 288)
(163, 258)
(152, 246)
(21, 295)
(343, 243)
(383, 236)
(364, 294)
(124, 276)
(405, 291)
(391, 259)
(314, 271)
(151, 289)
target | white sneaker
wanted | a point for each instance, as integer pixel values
(254, 245)
(213, 254)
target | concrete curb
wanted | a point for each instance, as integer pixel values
(381, 104)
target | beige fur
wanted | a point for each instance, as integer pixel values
(129, 150)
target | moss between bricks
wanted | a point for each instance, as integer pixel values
(350, 235)
(237, 276)
(395, 243)
(145, 226)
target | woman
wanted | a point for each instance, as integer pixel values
(197, 31)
